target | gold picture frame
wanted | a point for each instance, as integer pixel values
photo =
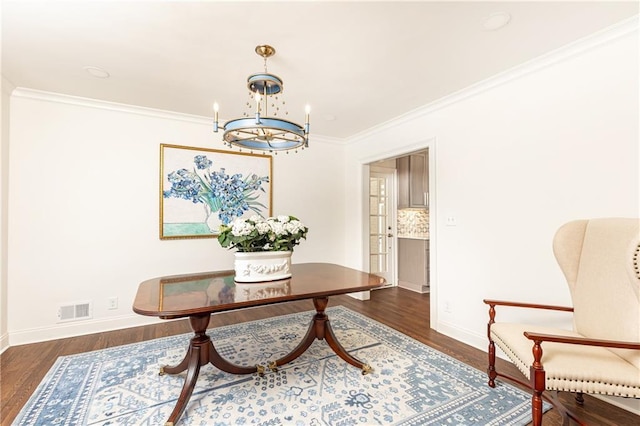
(201, 188)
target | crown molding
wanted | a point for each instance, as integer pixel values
(7, 86)
(575, 48)
(399, 151)
(327, 139)
(41, 95)
(23, 92)
(578, 47)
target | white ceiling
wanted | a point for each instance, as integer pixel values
(356, 63)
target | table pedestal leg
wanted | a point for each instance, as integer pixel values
(320, 329)
(201, 352)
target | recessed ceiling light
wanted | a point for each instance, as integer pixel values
(330, 117)
(495, 21)
(96, 72)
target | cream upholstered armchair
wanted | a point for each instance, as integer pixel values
(600, 259)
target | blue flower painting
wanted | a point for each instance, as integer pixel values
(214, 189)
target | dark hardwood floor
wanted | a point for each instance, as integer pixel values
(23, 367)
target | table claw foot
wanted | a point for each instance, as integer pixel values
(260, 370)
(366, 369)
(168, 424)
(273, 366)
(162, 373)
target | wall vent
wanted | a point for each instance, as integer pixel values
(75, 312)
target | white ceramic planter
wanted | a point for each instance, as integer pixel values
(262, 266)
(262, 290)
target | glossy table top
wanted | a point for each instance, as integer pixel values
(179, 296)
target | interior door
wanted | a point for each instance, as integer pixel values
(382, 240)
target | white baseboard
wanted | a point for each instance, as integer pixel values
(463, 335)
(631, 405)
(361, 295)
(413, 287)
(80, 328)
(4, 342)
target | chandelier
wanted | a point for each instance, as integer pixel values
(258, 130)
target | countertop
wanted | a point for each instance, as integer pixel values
(414, 237)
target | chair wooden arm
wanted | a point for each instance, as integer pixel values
(526, 305)
(493, 303)
(538, 337)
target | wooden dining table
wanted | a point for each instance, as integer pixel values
(197, 296)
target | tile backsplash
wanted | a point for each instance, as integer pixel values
(413, 223)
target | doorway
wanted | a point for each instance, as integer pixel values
(399, 220)
(382, 242)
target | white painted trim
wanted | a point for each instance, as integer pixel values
(629, 404)
(24, 92)
(4, 342)
(40, 95)
(398, 151)
(79, 328)
(433, 234)
(470, 338)
(7, 86)
(361, 295)
(325, 139)
(429, 144)
(465, 336)
(365, 172)
(599, 38)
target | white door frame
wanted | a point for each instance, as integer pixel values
(401, 151)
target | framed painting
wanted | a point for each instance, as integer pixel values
(200, 189)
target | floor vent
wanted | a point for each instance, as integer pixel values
(75, 312)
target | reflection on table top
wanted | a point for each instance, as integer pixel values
(201, 293)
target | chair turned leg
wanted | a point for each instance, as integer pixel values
(536, 408)
(579, 398)
(491, 370)
(537, 377)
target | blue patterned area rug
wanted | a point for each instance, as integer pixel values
(411, 384)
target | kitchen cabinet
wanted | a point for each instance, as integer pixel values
(402, 167)
(413, 181)
(418, 180)
(413, 264)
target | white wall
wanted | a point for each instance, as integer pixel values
(5, 92)
(83, 209)
(516, 157)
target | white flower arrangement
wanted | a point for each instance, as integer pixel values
(280, 233)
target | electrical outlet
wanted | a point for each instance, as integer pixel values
(447, 307)
(451, 221)
(112, 303)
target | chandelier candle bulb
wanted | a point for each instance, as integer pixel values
(307, 110)
(257, 98)
(215, 116)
